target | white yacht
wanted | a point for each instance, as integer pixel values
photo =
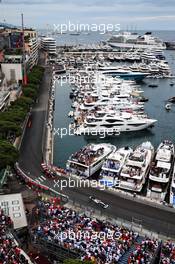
(134, 173)
(125, 74)
(119, 103)
(148, 56)
(130, 40)
(172, 189)
(89, 159)
(109, 175)
(160, 171)
(120, 121)
(164, 67)
(153, 68)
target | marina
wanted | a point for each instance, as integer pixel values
(154, 108)
(87, 142)
(113, 120)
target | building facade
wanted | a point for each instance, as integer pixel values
(49, 45)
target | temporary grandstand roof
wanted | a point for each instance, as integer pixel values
(12, 205)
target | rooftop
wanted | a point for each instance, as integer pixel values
(12, 205)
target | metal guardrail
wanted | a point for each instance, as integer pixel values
(42, 186)
(55, 249)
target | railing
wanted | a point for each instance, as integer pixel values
(43, 187)
(22, 252)
(55, 249)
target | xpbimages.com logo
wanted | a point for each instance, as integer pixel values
(79, 27)
(100, 132)
(85, 235)
(82, 183)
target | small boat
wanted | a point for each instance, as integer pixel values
(143, 99)
(71, 95)
(168, 107)
(153, 85)
(171, 83)
(71, 114)
(172, 99)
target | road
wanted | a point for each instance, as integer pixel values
(159, 219)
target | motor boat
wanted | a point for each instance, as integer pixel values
(122, 73)
(168, 107)
(172, 189)
(161, 171)
(118, 103)
(109, 175)
(128, 40)
(88, 160)
(134, 173)
(122, 122)
(172, 99)
(153, 85)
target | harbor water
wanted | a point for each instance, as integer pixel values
(155, 107)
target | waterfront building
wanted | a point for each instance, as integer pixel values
(31, 48)
(49, 45)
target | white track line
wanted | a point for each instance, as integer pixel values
(39, 178)
(43, 177)
(37, 181)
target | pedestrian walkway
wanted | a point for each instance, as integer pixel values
(125, 257)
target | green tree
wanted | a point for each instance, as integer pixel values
(7, 128)
(35, 76)
(29, 92)
(8, 154)
(32, 86)
(15, 115)
(24, 102)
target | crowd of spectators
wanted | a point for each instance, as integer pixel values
(10, 253)
(88, 154)
(96, 240)
(145, 252)
(93, 239)
(168, 253)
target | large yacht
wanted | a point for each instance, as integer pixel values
(172, 189)
(134, 172)
(112, 166)
(121, 121)
(124, 74)
(128, 40)
(119, 103)
(164, 67)
(89, 159)
(161, 170)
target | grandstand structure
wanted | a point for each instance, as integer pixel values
(125, 247)
(9, 247)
